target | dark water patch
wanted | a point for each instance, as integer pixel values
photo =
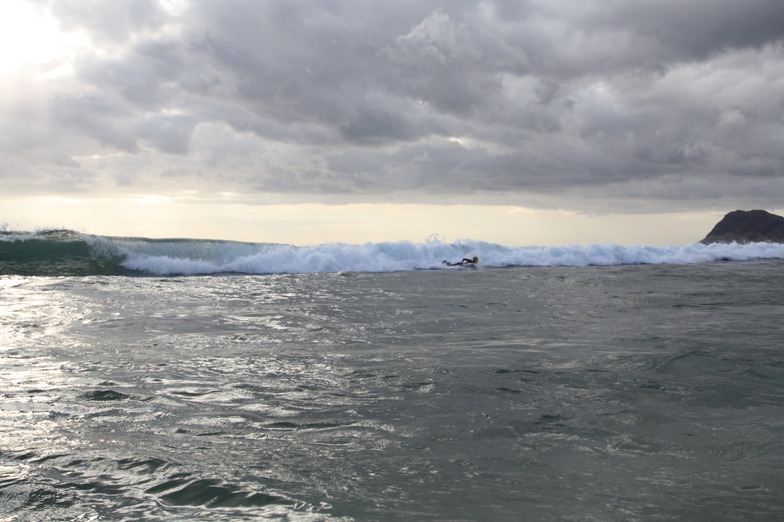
(253, 388)
(93, 486)
(188, 393)
(614, 413)
(28, 455)
(82, 463)
(550, 420)
(362, 375)
(175, 481)
(504, 371)
(144, 466)
(426, 386)
(712, 380)
(53, 456)
(7, 479)
(104, 395)
(286, 425)
(42, 499)
(283, 425)
(334, 442)
(214, 494)
(685, 362)
(653, 385)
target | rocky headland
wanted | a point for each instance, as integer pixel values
(747, 226)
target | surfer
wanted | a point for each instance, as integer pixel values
(464, 261)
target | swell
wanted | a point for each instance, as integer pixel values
(55, 253)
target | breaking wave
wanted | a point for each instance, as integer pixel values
(65, 252)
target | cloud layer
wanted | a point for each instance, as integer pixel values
(594, 104)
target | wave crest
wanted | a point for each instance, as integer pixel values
(65, 252)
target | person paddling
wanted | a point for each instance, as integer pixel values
(464, 261)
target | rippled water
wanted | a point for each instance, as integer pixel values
(604, 393)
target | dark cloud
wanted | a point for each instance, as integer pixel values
(147, 75)
(697, 29)
(100, 117)
(600, 98)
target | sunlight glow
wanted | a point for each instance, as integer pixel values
(151, 199)
(312, 224)
(31, 42)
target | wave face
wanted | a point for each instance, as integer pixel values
(65, 252)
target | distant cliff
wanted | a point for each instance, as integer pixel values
(749, 226)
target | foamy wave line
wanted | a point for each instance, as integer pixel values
(226, 257)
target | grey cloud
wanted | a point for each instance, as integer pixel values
(99, 117)
(696, 29)
(107, 22)
(604, 36)
(168, 133)
(143, 74)
(370, 126)
(469, 98)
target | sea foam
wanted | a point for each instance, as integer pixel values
(66, 252)
(204, 257)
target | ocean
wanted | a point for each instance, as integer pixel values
(167, 380)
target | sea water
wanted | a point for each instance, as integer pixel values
(592, 389)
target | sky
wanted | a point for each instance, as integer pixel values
(518, 122)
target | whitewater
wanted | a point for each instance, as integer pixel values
(49, 249)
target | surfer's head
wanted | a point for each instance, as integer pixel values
(476, 259)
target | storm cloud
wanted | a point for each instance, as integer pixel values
(610, 103)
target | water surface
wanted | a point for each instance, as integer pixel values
(542, 393)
